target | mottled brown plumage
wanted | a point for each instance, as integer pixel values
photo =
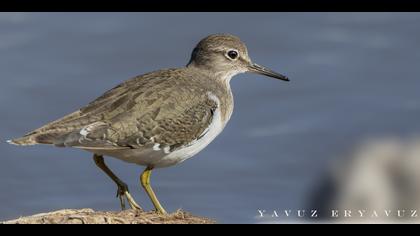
(169, 105)
(157, 119)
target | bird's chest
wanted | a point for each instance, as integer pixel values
(220, 118)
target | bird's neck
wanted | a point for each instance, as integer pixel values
(219, 76)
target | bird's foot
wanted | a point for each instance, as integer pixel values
(123, 194)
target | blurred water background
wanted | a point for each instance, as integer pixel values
(354, 78)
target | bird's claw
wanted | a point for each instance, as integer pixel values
(123, 194)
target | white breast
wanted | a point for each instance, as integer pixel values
(214, 129)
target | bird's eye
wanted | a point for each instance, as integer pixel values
(232, 54)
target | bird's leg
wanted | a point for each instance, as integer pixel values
(122, 187)
(145, 182)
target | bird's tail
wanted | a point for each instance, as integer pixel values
(34, 138)
(23, 141)
(51, 137)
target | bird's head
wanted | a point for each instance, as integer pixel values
(227, 54)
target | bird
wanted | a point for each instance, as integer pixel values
(158, 119)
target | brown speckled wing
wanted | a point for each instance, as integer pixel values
(161, 107)
(171, 116)
(171, 126)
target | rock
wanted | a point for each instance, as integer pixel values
(89, 216)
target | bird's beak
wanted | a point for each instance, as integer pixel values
(255, 68)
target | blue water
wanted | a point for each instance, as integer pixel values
(353, 76)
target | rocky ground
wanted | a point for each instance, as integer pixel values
(89, 216)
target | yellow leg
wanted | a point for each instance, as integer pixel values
(122, 187)
(145, 182)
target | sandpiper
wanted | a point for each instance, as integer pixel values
(158, 119)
